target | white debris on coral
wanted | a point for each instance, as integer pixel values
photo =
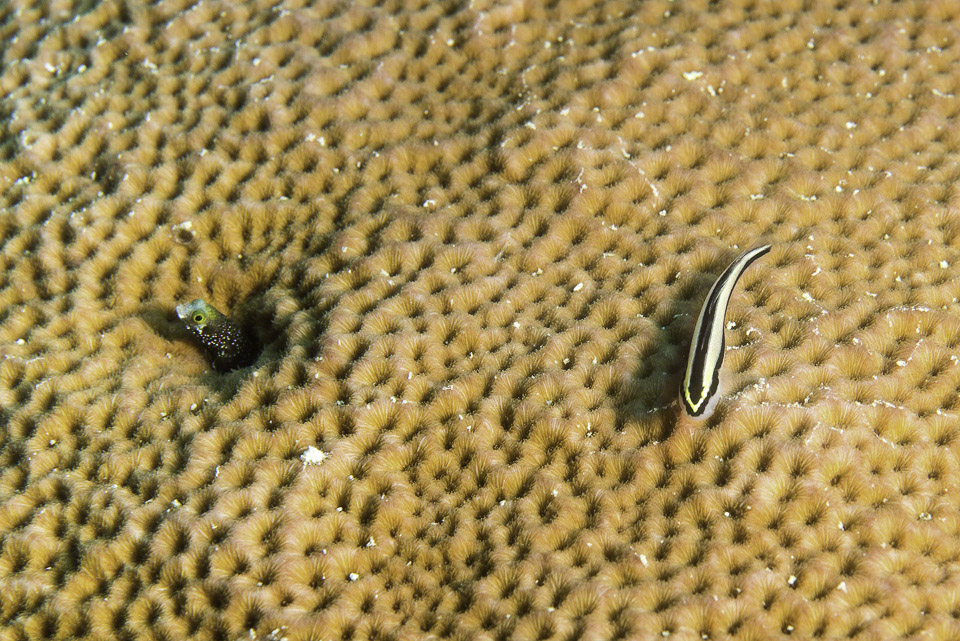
(313, 456)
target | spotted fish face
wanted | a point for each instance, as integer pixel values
(225, 344)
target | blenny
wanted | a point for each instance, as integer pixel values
(226, 345)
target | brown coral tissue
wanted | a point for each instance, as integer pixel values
(473, 239)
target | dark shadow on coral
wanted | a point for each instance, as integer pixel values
(164, 322)
(655, 380)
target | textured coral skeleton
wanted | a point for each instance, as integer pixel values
(472, 238)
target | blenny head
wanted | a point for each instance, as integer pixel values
(226, 345)
(196, 314)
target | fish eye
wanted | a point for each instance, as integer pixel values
(198, 318)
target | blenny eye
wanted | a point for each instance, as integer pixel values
(198, 317)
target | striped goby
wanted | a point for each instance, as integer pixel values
(699, 391)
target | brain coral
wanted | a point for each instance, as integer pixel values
(472, 239)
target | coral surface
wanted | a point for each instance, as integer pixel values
(472, 238)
